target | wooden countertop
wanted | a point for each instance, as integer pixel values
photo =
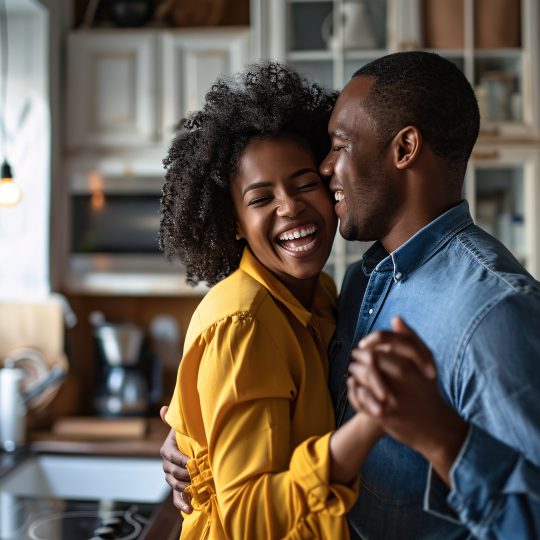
(147, 445)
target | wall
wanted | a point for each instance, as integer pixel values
(24, 229)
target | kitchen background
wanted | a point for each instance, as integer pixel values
(92, 91)
(92, 317)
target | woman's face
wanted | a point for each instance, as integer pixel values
(283, 208)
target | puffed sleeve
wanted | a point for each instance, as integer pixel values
(245, 388)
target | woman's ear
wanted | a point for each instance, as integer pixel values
(407, 146)
(239, 232)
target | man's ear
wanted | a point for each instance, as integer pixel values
(407, 146)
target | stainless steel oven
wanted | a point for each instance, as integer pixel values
(113, 243)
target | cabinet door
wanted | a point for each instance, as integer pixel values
(503, 192)
(192, 61)
(494, 42)
(111, 88)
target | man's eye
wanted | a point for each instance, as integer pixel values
(337, 148)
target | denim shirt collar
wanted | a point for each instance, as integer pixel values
(420, 247)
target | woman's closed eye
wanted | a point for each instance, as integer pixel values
(259, 200)
(309, 185)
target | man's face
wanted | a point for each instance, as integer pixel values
(359, 168)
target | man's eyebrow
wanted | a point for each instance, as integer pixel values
(339, 134)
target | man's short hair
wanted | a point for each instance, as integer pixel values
(427, 91)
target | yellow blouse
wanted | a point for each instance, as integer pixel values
(251, 407)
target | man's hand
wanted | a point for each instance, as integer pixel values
(393, 378)
(174, 466)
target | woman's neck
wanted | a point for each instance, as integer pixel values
(302, 289)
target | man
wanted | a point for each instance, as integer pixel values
(402, 132)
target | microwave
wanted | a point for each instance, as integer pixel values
(113, 238)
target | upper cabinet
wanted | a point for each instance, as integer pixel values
(192, 60)
(130, 88)
(112, 89)
(494, 42)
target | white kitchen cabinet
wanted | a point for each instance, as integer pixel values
(112, 79)
(192, 60)
(494, 42)
(129, 89)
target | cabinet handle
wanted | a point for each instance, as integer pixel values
(486, 155)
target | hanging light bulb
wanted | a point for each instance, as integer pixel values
(10, 194)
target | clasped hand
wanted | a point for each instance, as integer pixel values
(392, 378)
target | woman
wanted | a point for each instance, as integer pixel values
(245, 209)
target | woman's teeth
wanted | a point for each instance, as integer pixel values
(298, 233)
(300, 239)
(338, 195)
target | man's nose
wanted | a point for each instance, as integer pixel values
(327, 167)
(290, 206)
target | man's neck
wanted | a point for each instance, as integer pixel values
(413, 220)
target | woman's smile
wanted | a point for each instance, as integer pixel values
(284, 210)
(301, 241)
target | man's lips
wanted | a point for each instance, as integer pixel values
(339, 195)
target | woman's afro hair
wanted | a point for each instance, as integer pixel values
(198, 224)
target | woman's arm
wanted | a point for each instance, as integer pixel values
(350, 445)
(263, 491)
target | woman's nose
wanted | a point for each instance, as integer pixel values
(290, 207)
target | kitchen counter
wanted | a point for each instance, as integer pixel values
(164, 522)
(146, 446)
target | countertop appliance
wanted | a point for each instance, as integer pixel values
(126, 364)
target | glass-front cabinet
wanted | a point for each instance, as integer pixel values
(494, 42)
(503, 189)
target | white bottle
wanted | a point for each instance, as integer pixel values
(12, 409)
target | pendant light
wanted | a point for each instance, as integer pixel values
(10, 193)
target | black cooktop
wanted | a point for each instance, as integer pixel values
(55, 519)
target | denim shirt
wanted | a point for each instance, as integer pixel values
(478, 310)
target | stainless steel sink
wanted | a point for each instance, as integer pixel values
(88, 478)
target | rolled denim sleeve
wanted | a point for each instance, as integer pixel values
(496, 498)
(496, 476)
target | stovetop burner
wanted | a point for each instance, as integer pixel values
(55, 519)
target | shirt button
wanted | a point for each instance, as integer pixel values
(398, 275)
(370, 311)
